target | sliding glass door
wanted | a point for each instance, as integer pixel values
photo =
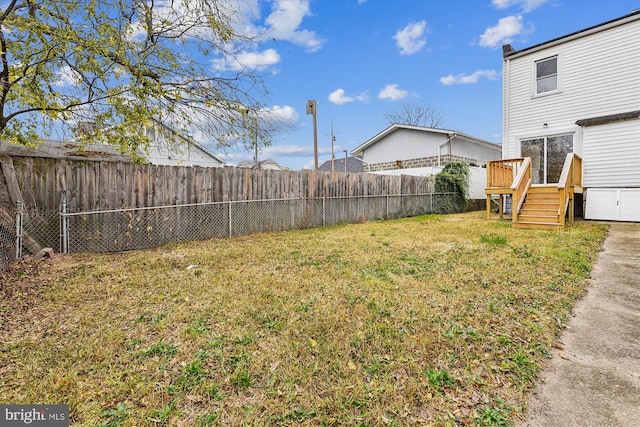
(547, 156)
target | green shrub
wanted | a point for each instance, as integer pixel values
(454, 178)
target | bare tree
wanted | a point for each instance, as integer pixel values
(416, 115)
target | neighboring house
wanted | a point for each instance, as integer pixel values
(263, 164)
(172, 148)
(422, 151)
(168, 147)
(405, 146)
(354, 165)
(580, 93)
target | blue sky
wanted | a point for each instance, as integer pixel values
(360, 59)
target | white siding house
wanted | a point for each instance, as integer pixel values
(580, 93)
(404, 146)
(421, 151)
(173, 148)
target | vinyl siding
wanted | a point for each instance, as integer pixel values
(612, 155)
(599, 75)
(406, 144)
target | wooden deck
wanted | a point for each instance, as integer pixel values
(533, 206)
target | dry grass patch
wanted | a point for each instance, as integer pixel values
(441, 320)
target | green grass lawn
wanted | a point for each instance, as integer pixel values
(434, 320)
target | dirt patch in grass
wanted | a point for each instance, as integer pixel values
(441, 320)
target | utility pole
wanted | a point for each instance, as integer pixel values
(311, 109)
(333, 139)
(255, 141)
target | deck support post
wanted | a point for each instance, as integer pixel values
(571, 207)
(488, 206)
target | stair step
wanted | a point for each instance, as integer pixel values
(530, 200)
(542, 197)
(539, 212)
(546, 188)
(541, 206)
(538, 225)
(553, 219)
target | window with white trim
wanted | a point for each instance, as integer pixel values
(546, 75)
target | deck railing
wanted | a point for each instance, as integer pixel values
(570, 180)
(501, 173)
(508, 176)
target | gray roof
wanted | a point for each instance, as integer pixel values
(55, 149)
(354, 165)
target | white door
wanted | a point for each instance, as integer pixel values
(629, 204)
(547, 156)
(613, 204)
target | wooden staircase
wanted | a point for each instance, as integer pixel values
(541, 208)
(533, 206)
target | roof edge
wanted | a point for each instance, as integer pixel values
(508, 52)
(611, 118)
(397, 126)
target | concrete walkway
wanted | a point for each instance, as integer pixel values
(595, 379)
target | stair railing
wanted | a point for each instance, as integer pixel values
(570, 178)
(519, 187)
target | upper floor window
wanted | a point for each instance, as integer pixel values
(547, 75)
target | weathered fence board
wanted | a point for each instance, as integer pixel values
(95, 185)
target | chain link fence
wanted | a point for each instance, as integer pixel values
(145, 228)
(10, 228)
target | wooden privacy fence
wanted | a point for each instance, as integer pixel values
(101, 185)
(43, 185)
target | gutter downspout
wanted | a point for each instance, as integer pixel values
(368, 164)
(440, 146)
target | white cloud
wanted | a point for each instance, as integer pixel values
(338, 97)
(392, 92)
(247, 60)
(284, 114)
(468, 78)
(527, 5)
(503, 32)
(284, 22)
(410, 39)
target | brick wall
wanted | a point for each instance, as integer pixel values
(422, 162)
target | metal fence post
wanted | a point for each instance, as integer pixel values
(230, 231)
(387, 208)
(324, 213)
(431, 202)
(19, 229)
(64, 223)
